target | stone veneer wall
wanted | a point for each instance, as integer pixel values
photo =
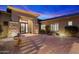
(13, 29)
(4, 33)
(4, 20)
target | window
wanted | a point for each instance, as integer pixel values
(24, 21)
(70, 23)
(43, 26)
(26, 27)
(55, 27)
(23, 27)
(51, 26)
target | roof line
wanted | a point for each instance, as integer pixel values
(61, 16)
(23, 11)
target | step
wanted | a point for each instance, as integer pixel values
(42, 47)
(37, 40)
(26, 47)
(25, 44)
(28, 50)
(37, 43)
(33, 52)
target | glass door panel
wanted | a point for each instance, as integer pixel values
(23, 28)
(26, 28)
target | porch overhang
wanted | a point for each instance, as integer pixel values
(23, 12)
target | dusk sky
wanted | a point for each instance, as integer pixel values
(47, 11)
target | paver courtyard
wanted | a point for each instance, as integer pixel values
(40, 44)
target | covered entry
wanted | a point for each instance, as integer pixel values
(24, 28)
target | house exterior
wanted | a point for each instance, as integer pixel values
(16, 21)
(58, 23)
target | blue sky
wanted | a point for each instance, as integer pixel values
(47, 11)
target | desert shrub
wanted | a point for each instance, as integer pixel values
(48, 30)
(50, 33)
(72, 30)
(42, 32)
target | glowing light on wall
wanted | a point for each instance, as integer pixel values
(70, 23)
(43, 26)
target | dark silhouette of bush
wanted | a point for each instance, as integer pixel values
(1, 29)
(72, 30)
(48, 31)
(42, 32)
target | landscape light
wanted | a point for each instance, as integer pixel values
(61, 34)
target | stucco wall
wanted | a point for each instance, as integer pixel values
(63, 21)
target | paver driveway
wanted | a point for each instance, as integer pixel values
(41, 44)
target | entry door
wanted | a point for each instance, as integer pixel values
(24, 28)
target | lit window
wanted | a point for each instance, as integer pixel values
(52, 27)
(26, 28)
(55, 27)
(43, 26)
(70, 23)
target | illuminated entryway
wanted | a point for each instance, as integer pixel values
(23, 26)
